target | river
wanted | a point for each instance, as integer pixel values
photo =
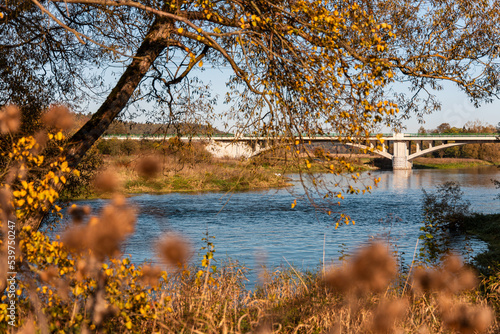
(261, 227)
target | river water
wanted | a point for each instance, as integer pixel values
(260, 227)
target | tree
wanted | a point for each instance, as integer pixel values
(443, 128)
(445, 211)
(300, 67)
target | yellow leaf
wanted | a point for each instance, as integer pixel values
(25, 184)
(63, 179)
(76, 172)
(180, 30)
(129, 325)
(78, 291)
(201, 63)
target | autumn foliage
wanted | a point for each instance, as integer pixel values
(80, 281)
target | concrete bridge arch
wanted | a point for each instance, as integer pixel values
(249, 146)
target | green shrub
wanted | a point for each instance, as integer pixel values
(129, 146)
(109, 146)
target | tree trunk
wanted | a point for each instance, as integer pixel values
(154, 43)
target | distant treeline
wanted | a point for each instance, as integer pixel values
(119, 127)
(489, 152)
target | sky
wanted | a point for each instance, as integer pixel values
(456, 108)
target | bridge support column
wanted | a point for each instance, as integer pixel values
(401, 163)
(400, 156)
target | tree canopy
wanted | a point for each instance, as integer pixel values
(299, 67)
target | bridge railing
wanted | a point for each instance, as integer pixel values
(332, 135)
(451, 134)
(159, 136)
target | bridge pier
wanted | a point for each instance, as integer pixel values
(401, 163)
(401, 153)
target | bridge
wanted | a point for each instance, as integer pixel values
(396, 146)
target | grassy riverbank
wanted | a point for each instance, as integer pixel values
(210, 174)
(487, 228)
(217, 175)
(448, 163)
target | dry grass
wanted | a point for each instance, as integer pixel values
(215, 175)
(293, 302)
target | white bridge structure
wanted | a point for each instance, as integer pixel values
(396, 146)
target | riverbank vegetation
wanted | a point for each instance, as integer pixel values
(79, 282)
(297, 68)
(80, 293)
(449, 163)
(189, 167)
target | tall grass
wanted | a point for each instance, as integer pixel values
(80, 283)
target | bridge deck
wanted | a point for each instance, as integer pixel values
(473, 137)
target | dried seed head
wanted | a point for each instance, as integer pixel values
(423, 330)
(59, 117)
(78, 213)
(387, 314)
(75, 238)
(41, 137)
(149, 167)
(264, 327)
(62, 288)
(467, 280)
(82, 270)
(338, 280)
(374, 267)
(428, 280)
(119, 200)
(452, 278)
(28, 327)
(150, 275)
(453, 264)
(6, 203)
(174, 250)
(49, 274)
(10, 119)
(105, 235)
(371, 270)
(120, 216)
(467, 319)
(107, 181)
(336, 329)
